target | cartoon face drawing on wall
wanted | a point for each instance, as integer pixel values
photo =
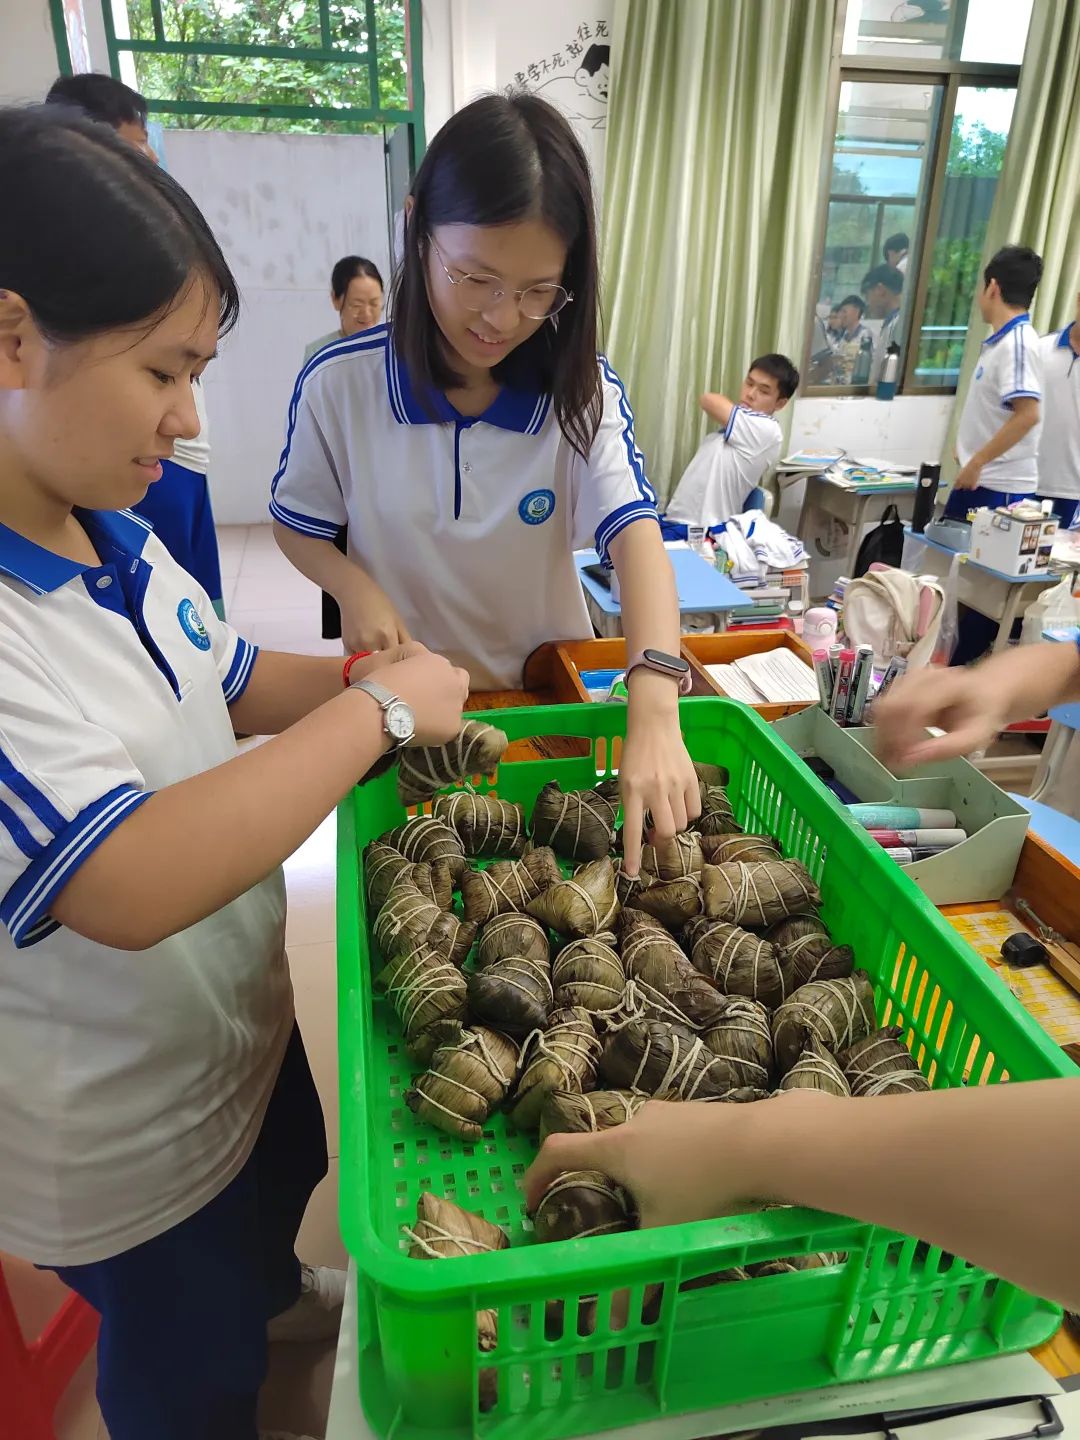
(594, 73)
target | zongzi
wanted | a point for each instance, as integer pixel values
(443, 1230)
(804, 940)
(486, 824)
(512, 934)
(429, 996)
(816, 1069)
(506, 886)
(578, 824)
(836, 1012)
(743, 1037)
(583, 905)
(674, 858)
(757, 892)
(663, 977)
(588, 973)
(465, 1081)
(408, 918)
(582, 1203)
(513, 995)
(881, 1064)
(723, 849)
(565, 1111)
(672, 902)
(666, 1061)
(428, 839)
(563, 1057)
(424, 769)
(737, 962)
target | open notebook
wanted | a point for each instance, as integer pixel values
(775, 677)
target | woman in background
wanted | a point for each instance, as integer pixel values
(356, 293)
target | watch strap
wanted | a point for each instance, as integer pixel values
(641, 661)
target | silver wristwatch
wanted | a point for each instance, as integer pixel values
(399, 722)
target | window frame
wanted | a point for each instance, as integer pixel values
(325, 53)
(953, 75)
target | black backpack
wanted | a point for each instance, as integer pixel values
(884, 545)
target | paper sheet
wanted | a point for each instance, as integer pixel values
(775, 677)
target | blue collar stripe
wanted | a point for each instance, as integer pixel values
(115, 533)
(1064, 342)
(633, 454)
(305, 524)
(521, 411)
(1012, 324)
(366, 340)
(539, 415)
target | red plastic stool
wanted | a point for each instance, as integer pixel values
(34, 1375)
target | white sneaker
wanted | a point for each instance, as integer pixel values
(317, 1313)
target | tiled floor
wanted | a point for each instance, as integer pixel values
(272, 605)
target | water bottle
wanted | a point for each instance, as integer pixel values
(864, 362)
(890, 373)
(925, 496)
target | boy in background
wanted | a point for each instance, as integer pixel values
(882, 288)
(997, 443)
(178, 505)
(731, 462)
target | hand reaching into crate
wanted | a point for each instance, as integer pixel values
(990, 1173)
(972, 705)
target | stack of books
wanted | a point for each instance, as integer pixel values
(771, 601)
(836, 599)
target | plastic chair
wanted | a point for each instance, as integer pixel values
(34, 1374)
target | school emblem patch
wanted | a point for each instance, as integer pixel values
(192, 625)
(537, 506)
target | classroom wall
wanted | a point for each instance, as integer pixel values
(27, 50)
(284, 209)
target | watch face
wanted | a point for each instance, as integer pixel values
(400, 723)
(661, 660)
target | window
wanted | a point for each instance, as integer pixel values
(924, 104)
(342, 65)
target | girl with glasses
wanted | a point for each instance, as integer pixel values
(477, 439)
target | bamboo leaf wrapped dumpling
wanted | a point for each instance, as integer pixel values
(426, 838)
(382, 866)
(486, 824)
(429, 996)
(506, 886)
(805, 942)
(722, 849)
(513, 995)
(583, 905)
(651, 1057)
(443, 1230)
(663, 977)
(737, 962)
(674, 858)
(577, 824)
(743, 1037)
(512, 934)
(759, 892)
(672, 902)
(588, 973)
(425, 769)
(466, 1080)
(409, 918)
(566, 1112)
(835, 1012)
(582, 1203)
(816, 1069)
(881, 1064)
(627, 887)
(563, 1057)
(717, 816)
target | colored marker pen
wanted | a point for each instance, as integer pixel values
(860, 683)
(823, 673)
(902, 817)
(842, 687)
(943, 838)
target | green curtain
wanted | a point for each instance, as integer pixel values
(1038, 195)
(716, 123)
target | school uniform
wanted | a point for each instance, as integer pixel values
(728, 467)
(178, 507)
(468, 523)
(134, 1087)
(1059, 443)
(1009, 369)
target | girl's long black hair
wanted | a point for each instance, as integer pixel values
(507, 158)
(93, 235)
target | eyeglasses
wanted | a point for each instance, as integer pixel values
(483, 292)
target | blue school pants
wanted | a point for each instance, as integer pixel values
(182, 1345)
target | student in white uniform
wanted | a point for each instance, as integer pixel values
(478, 439)
(882, 288)
(895, 251)
(160, 1134)
(1059, 442)
(731, 463)
(998, 439)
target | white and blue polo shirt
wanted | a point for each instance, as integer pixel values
(132, 1085)
(729, 464)
(1009, 367)
(1059, 444)
(468, 524)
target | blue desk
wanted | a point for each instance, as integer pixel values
(992, 593)
(854, 506)
(702, 590)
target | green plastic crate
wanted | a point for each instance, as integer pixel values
(892, 1306)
